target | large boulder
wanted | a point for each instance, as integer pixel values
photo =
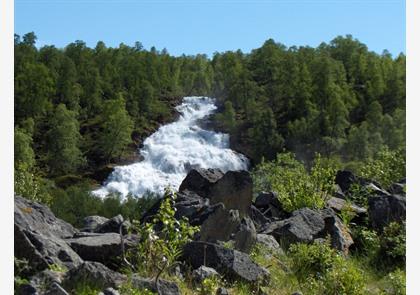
(204, 272)
(220, 225)
(44, 282)
(259, 219)
(104, 248)
(200, 180)
(268, 241)
(93, 274)
(269, 204)
(38, 237)
(91, 223)
(232, 264)
(306, 225)
(384, 209)
(338, 205)
(233, 189)
(345, 179)
(246, 235)
(113, 225)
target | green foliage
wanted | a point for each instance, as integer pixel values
(347, 213)
(32, 187)
(117, 127)
(386, 168)
(162, 240)
(209, 286)
(24, 155)
(322, 270)
(393, 244)
(296, 188)
(395, 283)
(64, 155)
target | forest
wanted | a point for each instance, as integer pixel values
(300, 114)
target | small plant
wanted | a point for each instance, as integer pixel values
(393, 244)
(395, 283)
(347, 213)
(31, 187)
(162, 240)
(57, 268)
(209, 286)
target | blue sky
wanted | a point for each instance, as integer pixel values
(204, 26)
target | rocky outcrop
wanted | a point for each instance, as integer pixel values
(246, 235)
(91, 223)
(200, 181)
(204, 272)
(268, 241)
(306, 225)
(231, 264)
(39, 237)
(384, 209)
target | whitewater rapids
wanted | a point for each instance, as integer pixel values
(172, 151)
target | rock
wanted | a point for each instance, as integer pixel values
(398, 188)
(104, 248)
(231, 264)
(338, 204)
(113, 225)
(190, 205)
(202, 273)
(269, 205)
(302, 227)
(94, 274)
(90, 223)
(110, 291)
(306, 225)
(258, 218)
(345, 179)
(220, 225)
(38, 218)
(246, 235)
(234, 190)
(56, 289)
(268, 241)
(200, 180)
(164, 287)
(222, 291)
(386, 209)
(340, 236)
(38, 237)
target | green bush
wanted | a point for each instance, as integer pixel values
(296, 188)
(395, 283)
(392, 243)
(32, 187)
(386, 168)
(322, 270)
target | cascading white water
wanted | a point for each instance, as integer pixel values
(173, 150)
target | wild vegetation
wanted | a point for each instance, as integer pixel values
(300, 114)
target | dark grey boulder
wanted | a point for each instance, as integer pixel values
(104, 248)
(94, 274)
(386, 209)
(398, 188)
(113, 225)
(259, 219)
(338, 204)
(234, 190)
(109, 291)
(204, 272)
(200, 180)
(268, 241)
(246, 235)
(231, 264)
(338, 232)
(220, 225)
(91, 223)
(345, 179)
(269, 205)
(163, 287)
(38, 237)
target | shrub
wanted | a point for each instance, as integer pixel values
(162, 240)
(395, 283)
(322, 270)
(31, 187)
(392, 244)
(386, 168)
(296, 188)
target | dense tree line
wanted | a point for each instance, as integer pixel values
(80, 107)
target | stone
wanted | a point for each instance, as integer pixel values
(231, 264)
(385, 209)
(340, 235)
(268, 241)
(259, 219)
(38, 237)
(95, 274)
(110, 291)
(200, 180)
(202, 273)
(222, 291)
(90, 223)
(56, 289)
(338, 204)
(220, 225)
(104, 248)
(113, 225)
(246, 235)
(163, 287)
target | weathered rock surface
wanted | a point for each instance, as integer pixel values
(93, 274)
(231, 264)
(338, 204)
(268, 241)
(386, 209)
(246, 235)
(38, 236)
(104, 248)
(269, 205)
(202, 273)
(91, 223)
(163, 287)
(113, 225)
(200, 181)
